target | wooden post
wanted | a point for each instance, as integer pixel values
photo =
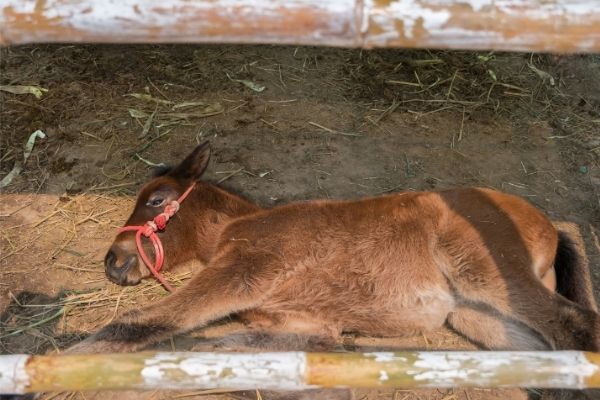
(526, 25)
(297, 370)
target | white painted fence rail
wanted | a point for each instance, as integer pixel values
(298, 370)
(540, 25)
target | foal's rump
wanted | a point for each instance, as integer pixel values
(499, 249)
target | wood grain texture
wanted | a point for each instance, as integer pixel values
(520, 25)
(298, 370)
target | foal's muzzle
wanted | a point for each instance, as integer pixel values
(119, 274)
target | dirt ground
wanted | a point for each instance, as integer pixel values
(329, 123)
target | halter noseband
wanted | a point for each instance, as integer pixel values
(149, 230)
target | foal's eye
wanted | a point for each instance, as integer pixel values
(157, 202)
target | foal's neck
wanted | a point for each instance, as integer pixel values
(211, 209)
(231, 205)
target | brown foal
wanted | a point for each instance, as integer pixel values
(487, 263)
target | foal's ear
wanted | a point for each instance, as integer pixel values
(193, 166)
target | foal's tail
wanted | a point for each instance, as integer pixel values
(573, 279)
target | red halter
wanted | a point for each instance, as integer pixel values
(149, 230)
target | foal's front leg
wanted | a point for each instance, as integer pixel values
(221, 289)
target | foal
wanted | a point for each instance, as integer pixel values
(487, 263)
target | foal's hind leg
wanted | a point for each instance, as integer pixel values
(489, 329)
(224, 287)
(562, 323)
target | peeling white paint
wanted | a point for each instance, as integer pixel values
(433, 17)
(383, 376)
(229, 370)
(478, 5)
(409, 13)
(292, 371)
(569, 9)
(367, 23)
(553, 369)
(385, 356)
(132, 18)
(13, 376)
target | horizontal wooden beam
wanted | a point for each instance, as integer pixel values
(519, 25)
(298, 370)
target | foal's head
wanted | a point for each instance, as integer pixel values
(123, 263)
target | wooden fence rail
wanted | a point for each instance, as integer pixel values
(527, 25)
(298, 370)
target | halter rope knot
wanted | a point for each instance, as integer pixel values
(149, 230)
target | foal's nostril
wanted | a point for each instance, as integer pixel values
(118, 273)
(110, 259)
(129, 263)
